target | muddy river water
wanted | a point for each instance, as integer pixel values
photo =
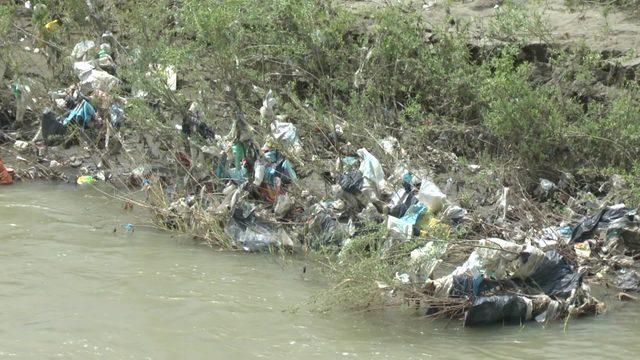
(72, 288)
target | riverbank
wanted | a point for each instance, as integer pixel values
(393, 146)
(152, 294)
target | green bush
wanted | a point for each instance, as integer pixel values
(524, 118)
(517, 22)
(609, 134)
(408, 69)
(6, 20)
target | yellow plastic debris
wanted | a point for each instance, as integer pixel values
(85, 180)
(428, 225)
(52, 24)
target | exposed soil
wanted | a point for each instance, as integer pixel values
(618, 31)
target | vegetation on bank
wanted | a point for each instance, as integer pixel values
(393, 70)
(391, 73)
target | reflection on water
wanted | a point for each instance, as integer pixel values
(72, 288)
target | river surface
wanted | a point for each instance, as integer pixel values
(72, 288)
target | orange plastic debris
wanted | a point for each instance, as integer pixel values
(5, 175)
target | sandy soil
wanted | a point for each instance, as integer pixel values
(618, 31)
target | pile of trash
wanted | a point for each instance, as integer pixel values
(505, 282)
(254, 187)
(262, 196)
(500, 282)
(511, 283)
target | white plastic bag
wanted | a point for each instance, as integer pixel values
(389, 144)
(266, 111)
(92, 78)
(98, 80)
(81, 68)
(172, 77)
(284, 205)
(287, 133)
(399, 227)
(371, 170)
(258, 173)
(81, 50)
(431, 196)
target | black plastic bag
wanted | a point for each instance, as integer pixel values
(53, 131)
(554, 276)
(400, 209)
(351, 182)
(498, 308)
(589, 224)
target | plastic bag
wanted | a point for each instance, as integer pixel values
(431, 195)
(83, 114)
(492, 257)
(399, 227)
(98, 80)
(93, 79)
(172, 77)
(554, 276)
(371, 170)
(287, 133)
(414, 213)
(351, 182)
(81, 50)
(258, 173)
(499, 308)
(251, 237)
(388, 145)
(284, 205)
(116, 114)
(266, 111)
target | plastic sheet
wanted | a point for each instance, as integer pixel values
(589, 224)
(499, 308)
(83, 114)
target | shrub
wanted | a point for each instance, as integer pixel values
(524, 118)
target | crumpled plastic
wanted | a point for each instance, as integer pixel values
(287, 133)
(92, 78)
(83, 114)
(351, 182)
(116, 114)
(431, 195)
(81, 50)
(499, 308)
(266, 111)
(371, 170)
